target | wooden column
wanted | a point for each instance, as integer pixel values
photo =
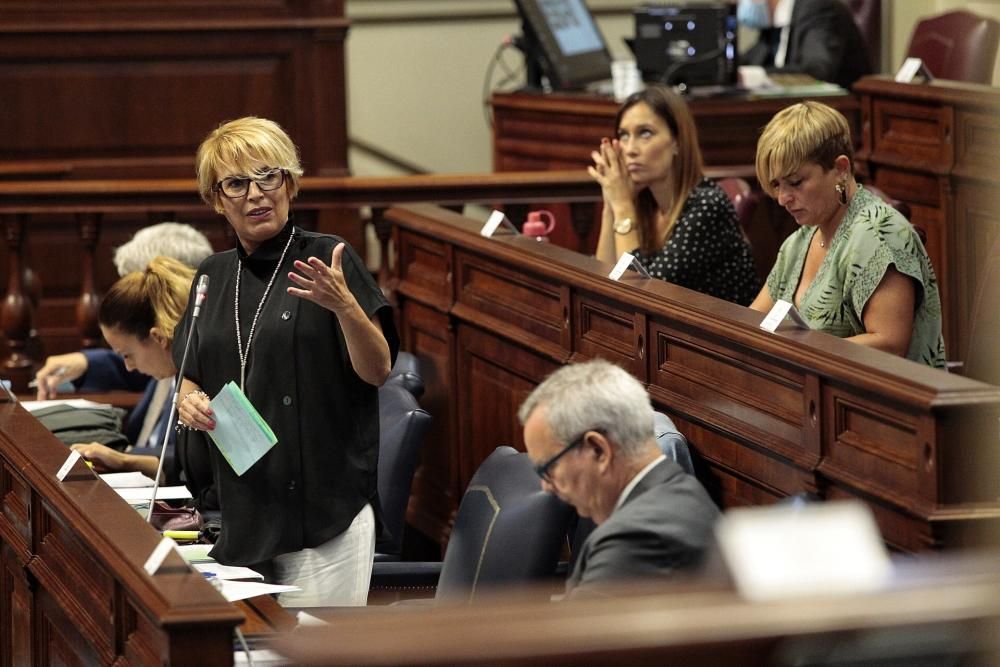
(89, 302)
(16, 313)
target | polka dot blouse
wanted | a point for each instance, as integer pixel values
(706, 251)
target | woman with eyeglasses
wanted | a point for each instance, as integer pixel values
(296, 321)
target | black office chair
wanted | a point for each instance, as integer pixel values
(402, 427)
(507, 531)
(406, 373)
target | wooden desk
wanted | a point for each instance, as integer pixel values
(934, 146)
(768, 415)
(73, 590)
(949, 610)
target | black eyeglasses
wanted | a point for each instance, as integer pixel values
(235, 187)
(542, 469)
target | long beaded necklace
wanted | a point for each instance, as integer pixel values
(245, 354)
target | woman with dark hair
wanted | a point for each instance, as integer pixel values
(659, 206)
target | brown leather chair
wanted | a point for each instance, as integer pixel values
(744, 200)
(957, 45)
(868, 15)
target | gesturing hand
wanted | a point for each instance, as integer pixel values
(323, 285)
(610, 172)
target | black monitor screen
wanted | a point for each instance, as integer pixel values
(694, 44)
(564, 39)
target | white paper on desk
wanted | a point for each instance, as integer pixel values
(127, 480)
(240, 433)
(226, 572)
(309, 621)
(32, 406)
(196, 553)
(823, 548)
(162, 493)
(261, 656)
(241, 590)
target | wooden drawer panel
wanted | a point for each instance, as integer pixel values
(77, 581)
(606, 330)
(524, 307)
(759, 403)
(15, 519)
(977, 144)
(913, 134)
(424, 266)
(900, 531)
(772, 477)
(875, 449)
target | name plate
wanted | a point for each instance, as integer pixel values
(156, 558)
(627, 261)
(777, 315)
(493, 223)
(71, 460)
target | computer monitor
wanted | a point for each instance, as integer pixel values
(690, 44)
(562, 43)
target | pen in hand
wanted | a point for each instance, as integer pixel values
(59, 372)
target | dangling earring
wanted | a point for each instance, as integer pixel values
(841, 193)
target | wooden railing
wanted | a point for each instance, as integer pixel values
(26, 205)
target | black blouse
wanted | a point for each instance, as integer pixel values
(706, 251)
(322, 471)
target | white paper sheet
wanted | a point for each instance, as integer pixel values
(227, 572)
(127, 480)
(162, 493)
(241, 590)
(32, 406)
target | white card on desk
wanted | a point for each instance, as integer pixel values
(493, 223)
(71, 460)
(821, 548)
(781, 309)
(155, 559)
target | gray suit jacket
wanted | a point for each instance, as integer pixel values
(664, 525)
(823, 41)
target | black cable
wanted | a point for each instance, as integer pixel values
(672, 69)
(488, 88)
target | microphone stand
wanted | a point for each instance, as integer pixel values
(201, 292)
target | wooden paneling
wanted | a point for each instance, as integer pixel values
(934, 147)
(768, 415)
(129, 88)
(72, 586)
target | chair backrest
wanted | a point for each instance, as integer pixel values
(406, 372)
(868, 17)
(957, 45)
(402, 427)
(507, 529)
(982, 359)
(744, 200)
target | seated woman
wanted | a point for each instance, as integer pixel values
(137, 317)
(856, 267)
(659, 206)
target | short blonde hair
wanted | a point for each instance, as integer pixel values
(807, 132)
(241, 144)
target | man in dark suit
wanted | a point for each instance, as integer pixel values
(589, 430)
(815, 37)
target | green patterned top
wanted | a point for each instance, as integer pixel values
(871, 237)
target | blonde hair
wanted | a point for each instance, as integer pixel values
(687, 169)
(249, 145)
(807, 132)
(141, 300)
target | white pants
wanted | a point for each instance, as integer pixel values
(334, 574)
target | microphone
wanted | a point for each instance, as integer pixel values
(201, 293)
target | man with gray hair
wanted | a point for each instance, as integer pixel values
(170, 239)
(589, 430)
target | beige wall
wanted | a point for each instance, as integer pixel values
(416, 70)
